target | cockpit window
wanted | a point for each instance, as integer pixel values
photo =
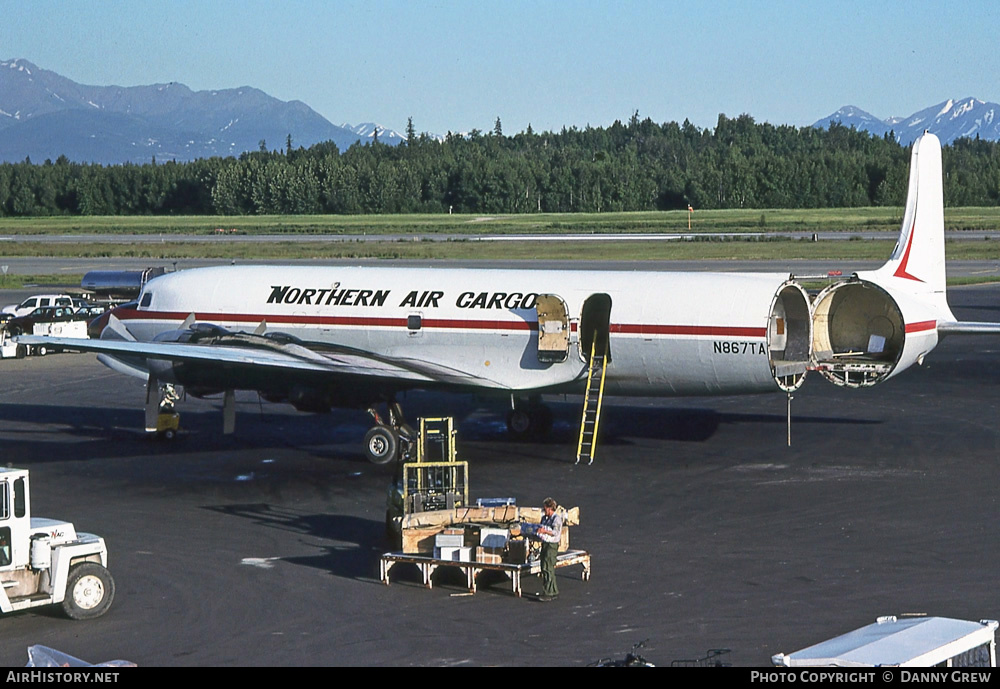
(147, 299)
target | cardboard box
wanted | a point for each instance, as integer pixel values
(420, 541)
(492, 556)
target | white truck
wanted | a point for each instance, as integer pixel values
(32, 303)
(45, 561)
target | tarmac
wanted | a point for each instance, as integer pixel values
(705, 529)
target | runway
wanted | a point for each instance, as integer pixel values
(706, 531)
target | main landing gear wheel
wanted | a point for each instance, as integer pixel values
(381, 444)
(89, 591)
(529, 420)
(391, 438)
(518, 422)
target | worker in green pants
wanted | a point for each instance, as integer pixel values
(549, 533)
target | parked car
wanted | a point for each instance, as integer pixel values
(90, 311)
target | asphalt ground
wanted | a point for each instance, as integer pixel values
(706, 531)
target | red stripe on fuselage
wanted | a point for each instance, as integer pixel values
(920, 326)
(443, 323)
(715, 330)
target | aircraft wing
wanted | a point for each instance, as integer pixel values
(968, 328)
(328, 363)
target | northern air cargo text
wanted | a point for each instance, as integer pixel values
(337, 296)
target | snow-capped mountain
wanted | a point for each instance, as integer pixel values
(45, 115)
(367, 131)
(950, 120)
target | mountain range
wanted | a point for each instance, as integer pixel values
(44, 115)
(949, 120)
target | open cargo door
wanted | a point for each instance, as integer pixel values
(553, 328)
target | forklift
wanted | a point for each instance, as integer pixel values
(433, 480)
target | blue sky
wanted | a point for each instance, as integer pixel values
(458, 65)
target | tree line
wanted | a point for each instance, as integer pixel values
(633, 166)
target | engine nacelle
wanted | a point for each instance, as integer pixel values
(863, 335)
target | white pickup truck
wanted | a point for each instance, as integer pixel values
(32, 303)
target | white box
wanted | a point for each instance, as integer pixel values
(453, 554)
(493, 538)
(444, 540)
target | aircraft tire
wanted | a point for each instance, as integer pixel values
(89, 591)
(529, 421)
(381, 444)
(519, 422)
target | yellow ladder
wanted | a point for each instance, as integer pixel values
(592, 403)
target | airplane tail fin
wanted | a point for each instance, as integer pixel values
(880, 323)
(917, 264)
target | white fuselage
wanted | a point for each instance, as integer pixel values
(669, 333)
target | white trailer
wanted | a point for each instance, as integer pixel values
(911, 641)
(46, 561)
(61, 329)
